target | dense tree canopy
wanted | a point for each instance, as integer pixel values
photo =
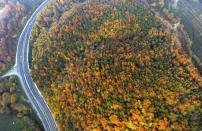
(13, 15)
(14, 103)
(111, 64)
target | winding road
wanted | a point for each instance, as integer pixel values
(21, 69)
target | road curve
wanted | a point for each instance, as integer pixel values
(21, 69)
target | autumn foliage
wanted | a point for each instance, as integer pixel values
(13, 16)
(111, 65)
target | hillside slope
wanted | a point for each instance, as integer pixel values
(112, 65)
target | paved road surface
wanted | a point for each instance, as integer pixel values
(21, 69)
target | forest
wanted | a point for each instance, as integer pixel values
(13, 102)
(113, 65)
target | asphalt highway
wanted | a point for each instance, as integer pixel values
(21, 69)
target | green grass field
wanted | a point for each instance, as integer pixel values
(10, 123)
